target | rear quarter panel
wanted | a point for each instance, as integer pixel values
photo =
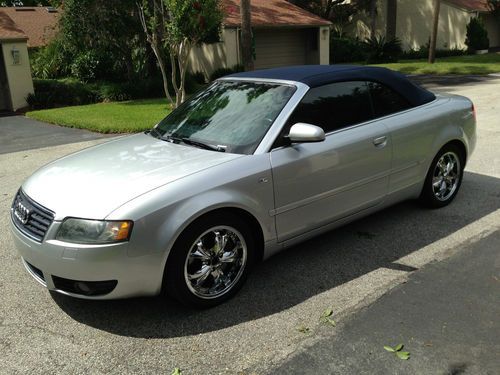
(419, 133)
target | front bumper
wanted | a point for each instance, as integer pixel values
(58, 266)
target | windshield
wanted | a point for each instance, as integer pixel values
(231, 116)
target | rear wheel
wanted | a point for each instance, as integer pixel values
(210, 261)
(444, 177)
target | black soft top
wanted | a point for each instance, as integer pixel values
(318, 75)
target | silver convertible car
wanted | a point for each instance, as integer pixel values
(256, 162)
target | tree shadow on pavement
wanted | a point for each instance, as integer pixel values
(301, 272)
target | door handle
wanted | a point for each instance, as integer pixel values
(380, 141)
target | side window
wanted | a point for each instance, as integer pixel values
(334, 106)
(385, 100)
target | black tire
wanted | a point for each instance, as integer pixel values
(179, 268)
(431, 198)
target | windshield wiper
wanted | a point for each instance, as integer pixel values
(205, 146)
(171, 138)
(154, 133)
(191, 142)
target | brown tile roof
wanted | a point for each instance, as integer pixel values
(272, 13)
(477, 5)
(37, 23)
(9, 30)
(40, 26)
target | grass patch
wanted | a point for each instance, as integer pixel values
(117, 117)
(467, 64)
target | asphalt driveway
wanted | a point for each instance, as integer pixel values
(276, 315)
(19, 133)
(446, 316)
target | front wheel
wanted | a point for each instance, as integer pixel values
(210, 260)
(444, 177)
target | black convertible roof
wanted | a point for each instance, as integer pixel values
(318, 75)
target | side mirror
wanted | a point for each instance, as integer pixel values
(302, 133)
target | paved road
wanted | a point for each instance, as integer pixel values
(19, 133)
(447, 316)
(258, 330)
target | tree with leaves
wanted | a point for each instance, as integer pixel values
(26, 3)
(494, 7)
(172, 28)
(339, 12)
(102, 34)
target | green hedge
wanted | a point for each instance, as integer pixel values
(52, 93)
(347, 49)
(221, 72)
(423, 53)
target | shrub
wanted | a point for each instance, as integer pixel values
(346, 50)
(221, 72)
(51, 61)
(423, 53)
(51, 93)
(477, 36)
(198, 77)
(380, 50)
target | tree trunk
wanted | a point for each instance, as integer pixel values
(163, 70)
(373, 18)
(246, 35)
(152, 37)
(392, 12)
(432, 47)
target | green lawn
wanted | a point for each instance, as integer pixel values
(116, 117)
(468, 64)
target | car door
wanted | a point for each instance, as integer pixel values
(411, 132)
(317, 183)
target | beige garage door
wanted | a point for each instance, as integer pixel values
(275, 47)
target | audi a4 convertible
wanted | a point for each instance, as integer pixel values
(256, 162)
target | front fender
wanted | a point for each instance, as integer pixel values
(162, 214)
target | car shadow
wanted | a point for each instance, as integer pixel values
(301, 272)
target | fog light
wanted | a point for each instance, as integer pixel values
(83, 287)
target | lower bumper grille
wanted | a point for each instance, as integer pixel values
(86, 288)
(37, 272)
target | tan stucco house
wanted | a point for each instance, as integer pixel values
(283, 34)
(15, 72)
(411, 22)
(21, 28)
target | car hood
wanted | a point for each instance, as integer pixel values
(94, 182)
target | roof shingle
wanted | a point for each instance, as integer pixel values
(477, 5)
(8, 28)
(37, 23)
(272, 13)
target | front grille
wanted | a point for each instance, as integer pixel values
(31, 218)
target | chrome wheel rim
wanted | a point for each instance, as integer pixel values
(446, 176)
(215, 262)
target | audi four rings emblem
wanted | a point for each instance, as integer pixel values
(22, 213)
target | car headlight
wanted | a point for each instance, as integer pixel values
(85, 231)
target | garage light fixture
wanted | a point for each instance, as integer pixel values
(16, 56)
